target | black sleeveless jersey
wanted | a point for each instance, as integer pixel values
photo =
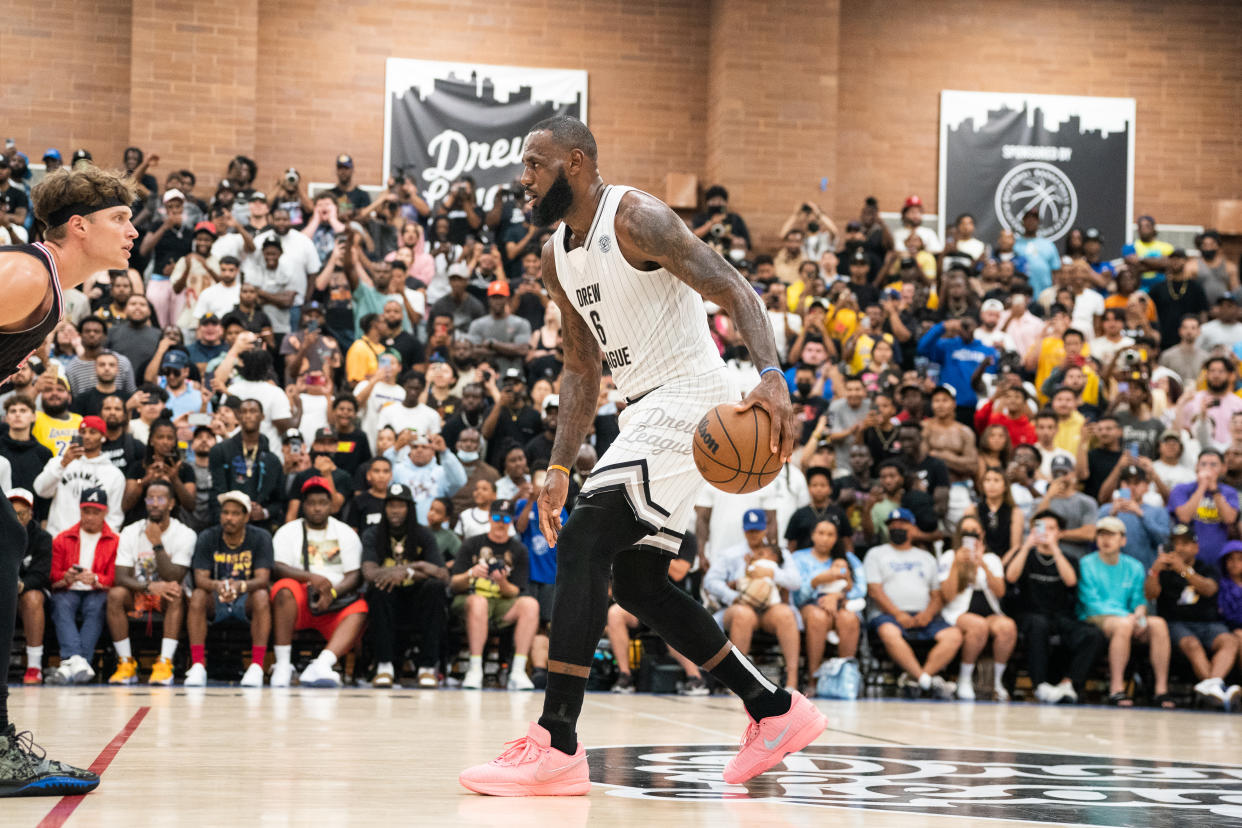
(17, 346)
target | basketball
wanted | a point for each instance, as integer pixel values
(731, 449)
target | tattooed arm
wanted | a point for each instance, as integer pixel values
(650, 235)
(579, 394)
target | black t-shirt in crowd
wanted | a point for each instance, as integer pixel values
(520, 427)
(808, 410)
(1178, 601)
(539, 448)
(803, 521)
(931, 471)
(13, 198)
(482, 548)
(363, 511)
(1173, 300)
(137, 471)
(1100, 464)
(352, 450)
(125, 453)
(380, 547)
(226, 563)
(1041, 588)
(1144, 432)
(90, 401)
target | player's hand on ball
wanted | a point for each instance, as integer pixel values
(551, 500)
(772, 395)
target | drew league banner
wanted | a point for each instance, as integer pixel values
(443, 120)
(1071, 158)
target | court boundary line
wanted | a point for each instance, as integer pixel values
(63, 809)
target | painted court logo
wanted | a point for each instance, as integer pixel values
(1036, 185)
(954, 783)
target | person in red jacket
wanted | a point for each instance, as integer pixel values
(1008, 408)
(83, 568)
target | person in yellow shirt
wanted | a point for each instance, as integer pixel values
(1147, 250)
(1069, 421)
(808, 273)
(55, 425)
(362, 359)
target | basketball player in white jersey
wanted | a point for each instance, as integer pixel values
(629, 278)
(86, 217)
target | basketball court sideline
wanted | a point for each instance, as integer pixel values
(224, 755)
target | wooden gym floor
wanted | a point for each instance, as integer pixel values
(222, 756)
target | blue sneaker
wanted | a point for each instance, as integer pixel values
(25, 770)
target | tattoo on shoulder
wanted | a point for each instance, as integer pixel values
(656, 234)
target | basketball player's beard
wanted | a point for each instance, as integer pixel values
(555, 203)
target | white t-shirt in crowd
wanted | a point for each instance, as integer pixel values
(422, 418)
(1087, 306)
(931, 242)
(725, 524)
(314, 415)
(218, 299)
(86, 556)
(134, 549)
(1103, 348)
(332, 551)
(275, 406)
(961, 602)
(384, 395)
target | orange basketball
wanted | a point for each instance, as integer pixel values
(732, 449)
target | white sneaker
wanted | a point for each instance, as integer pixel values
(833, 638)
(427, 677)
(965, 691)
(196, 676)
(1233, 697)
(1002, 695)
(1213, 692)
(1066, 694)
(253, 676)
(1047, 694)
(316, 676)
(942, 689)
(518, 680)
(473, 679)
(282, 675)
(62, 675)
(82, 671)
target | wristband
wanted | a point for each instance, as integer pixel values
(562, 468)
(333, 591)
(771, 368)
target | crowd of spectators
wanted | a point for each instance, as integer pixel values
(330, 412)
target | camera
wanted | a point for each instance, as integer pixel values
(1129, 359)
(291, 177)
(495, 567)
(806, 208)
(717, 231)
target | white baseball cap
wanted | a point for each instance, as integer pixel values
(173, 195)
(23, 495)
(240, 498)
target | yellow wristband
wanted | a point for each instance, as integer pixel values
(333, 591)
(562, 468)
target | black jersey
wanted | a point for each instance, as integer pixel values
(17, 346)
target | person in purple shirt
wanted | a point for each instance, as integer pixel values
(1209, 504)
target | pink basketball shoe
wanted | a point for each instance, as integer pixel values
(770, 740)
(530, 766)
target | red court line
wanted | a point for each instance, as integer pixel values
(68, 804)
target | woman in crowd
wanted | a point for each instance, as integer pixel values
(545, 346)
(163, 461)
(1002, 521)
(972, 582)
(833, 592)
(995, 450)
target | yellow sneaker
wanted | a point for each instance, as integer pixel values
(162, 672)
(126, 672)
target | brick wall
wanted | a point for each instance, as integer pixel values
(767, 103)
(1181, 61)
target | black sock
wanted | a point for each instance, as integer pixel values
(562, 703)
(4, 709)
(761, 697)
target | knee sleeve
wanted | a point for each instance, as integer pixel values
(641, 585)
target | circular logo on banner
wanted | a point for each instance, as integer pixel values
(1039, 186)
(955, 783)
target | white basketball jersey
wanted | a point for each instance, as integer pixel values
(651, 326)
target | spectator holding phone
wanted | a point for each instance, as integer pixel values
(81, 467)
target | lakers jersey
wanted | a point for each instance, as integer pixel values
(650, 325)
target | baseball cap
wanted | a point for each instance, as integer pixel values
(1184, 531)
(209, 318)
(1133, 473)
(23, 495)
(912, 201)
(992, 305)
(1092, 234)
(418, 438)
(1170, 434)
(173, 195)
(291, 434)
(551, 401)
(206, 227)
(51, 152)
(1225, 551)
(175, 359)
(1060, 464)
(1235, 297)
(240, 498)
(513, 374)
(754, 520)
(257, 196)
(900, 514)
(272, 241)
(344, 160)
(858, 256)
(94, 497)
(503, 508)
(93, 421)
(1110, 524)
(945, 389)
(458, 271)
(853, 227)
(1177, 253)
(498, 288)
(316, 484)
(82, 155)
(398, 492)
(325, 434)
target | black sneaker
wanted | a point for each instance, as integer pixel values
(624, 684)
(25, 770)
(694, 687)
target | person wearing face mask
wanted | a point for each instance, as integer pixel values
(322, 466)
(903, 584)
(716, 225)
(468, 447)
(1212, 271)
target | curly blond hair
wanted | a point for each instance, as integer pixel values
(88, 185)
